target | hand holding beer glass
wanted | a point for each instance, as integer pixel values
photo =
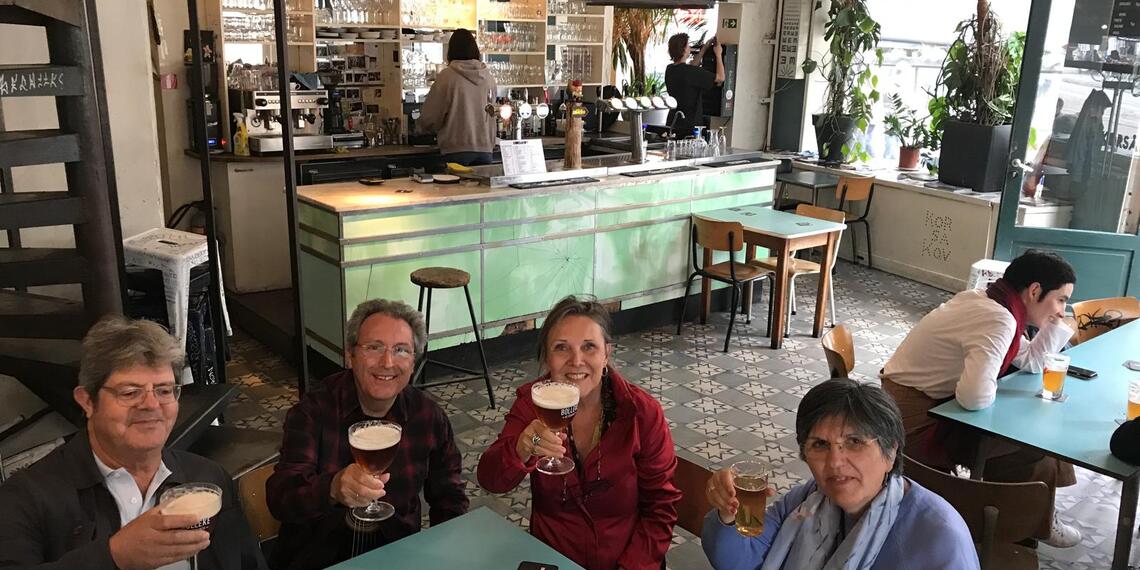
(374, 445)
(555, 404)
(740, 494)
(202, 500)
(1053, 378)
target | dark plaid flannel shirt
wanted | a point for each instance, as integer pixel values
(315, 448)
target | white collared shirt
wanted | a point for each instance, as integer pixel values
(957, 350)
(130, 501)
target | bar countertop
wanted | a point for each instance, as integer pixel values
(384, 151)
(344, 197)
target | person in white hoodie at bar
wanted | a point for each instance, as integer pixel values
(959, 351)
(454, 108)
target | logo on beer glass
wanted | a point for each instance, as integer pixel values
(555, 404)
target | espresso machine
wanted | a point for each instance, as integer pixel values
(262, 118)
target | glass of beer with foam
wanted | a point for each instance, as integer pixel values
(750, 479)
(555, 404)
(374, 445)
(1053, 378)
(1133, 400)
(202, 500)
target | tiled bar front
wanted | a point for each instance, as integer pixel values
(624, 240)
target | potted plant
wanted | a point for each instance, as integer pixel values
(851, 33)
(633, 28)
(973, 103)
(913, 133)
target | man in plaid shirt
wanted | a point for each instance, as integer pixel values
(316, 480)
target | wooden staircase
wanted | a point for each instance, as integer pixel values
(38, 333)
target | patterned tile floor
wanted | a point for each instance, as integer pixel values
(720, 407)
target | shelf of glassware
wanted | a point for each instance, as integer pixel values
(438, 14)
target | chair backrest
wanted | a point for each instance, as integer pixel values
(692, 479)
(839, 348)
(853, 188)
(826, 214)
(251, 487)
(1098, 316)
(1022, 508)
(717, 235)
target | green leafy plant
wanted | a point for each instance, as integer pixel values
(902, 121)
(851, 34)
(654, 84)
(633, 28)
(979, 77)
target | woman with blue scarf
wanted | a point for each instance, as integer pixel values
(857, 513)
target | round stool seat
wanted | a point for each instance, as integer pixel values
(440, 277)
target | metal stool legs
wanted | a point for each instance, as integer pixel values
(419, 378)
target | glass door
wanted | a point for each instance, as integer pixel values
(1074, 184)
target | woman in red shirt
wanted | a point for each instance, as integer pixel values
(617, 508)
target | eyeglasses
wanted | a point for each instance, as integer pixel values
(852, 444)
(134, 395)
(377, 350)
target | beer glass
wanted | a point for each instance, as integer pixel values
(203, 500)
(555, 404)
(1133, 400)
(374, 445)
(750, 478)
(1053, 378)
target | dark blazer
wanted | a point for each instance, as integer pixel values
(59, 514)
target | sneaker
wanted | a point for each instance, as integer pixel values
(1062, 535)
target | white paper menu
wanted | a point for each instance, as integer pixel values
(522, 157)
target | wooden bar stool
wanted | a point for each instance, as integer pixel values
(429, 279)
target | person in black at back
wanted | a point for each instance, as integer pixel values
(1125, 443)
(686, 82)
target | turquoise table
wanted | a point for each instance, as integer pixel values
(782, 233)
(1077, 430)
(478, 540)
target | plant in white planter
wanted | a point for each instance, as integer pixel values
(903, 122)
(851, 34)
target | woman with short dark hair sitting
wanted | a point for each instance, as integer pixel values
(857, 512)
(454, 108)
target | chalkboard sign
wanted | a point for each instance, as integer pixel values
(40, 80)
(1125, 22)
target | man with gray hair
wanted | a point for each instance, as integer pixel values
(316, 480)
(92, 502)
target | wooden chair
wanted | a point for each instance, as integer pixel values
(1098, 316)
(839, 348)
(803, 266)
(251, 488)
(857, 189)
(997, 514)
(713, 235)
(692, 479)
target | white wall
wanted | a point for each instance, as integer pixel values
(754, 73)
(184, 179)
(124, 40)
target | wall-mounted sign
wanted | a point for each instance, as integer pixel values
(793, 40)
(1125, 22)
(728, 23)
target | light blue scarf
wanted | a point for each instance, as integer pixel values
(809, 536)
